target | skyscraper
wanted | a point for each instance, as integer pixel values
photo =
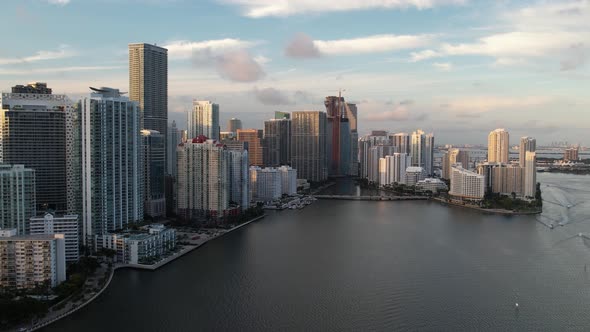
(239, 181)
(203, 179)
(203, 119)
(452, 157)
(154, 161)
(417, 148)
(233, 125)
(308, 145)
(530, 174)
(33, 134)
(171, 143)
(351, 113)
(527, 144)
(429, 154)
(277, 142)
(255, 149)
(148, 84)
(401, 142)
(112, 188)
(17, 197)
(364, 147)
(498, 146)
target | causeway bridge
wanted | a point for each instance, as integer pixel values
(372, 198)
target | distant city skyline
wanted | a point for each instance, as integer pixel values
(453, 67)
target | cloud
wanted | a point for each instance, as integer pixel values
(239, 66)
(282, 8)
(576, 58)
(424, 55)
(184, 49)
(58, 2)
(64, 51)
(372, 44)
(302, 46)
(482, 104)
(443, 66)
(58, 70)
(272, 96)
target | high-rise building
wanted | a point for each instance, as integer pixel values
(233, 125)
(422, 151)
(277, 142)
(571, 154)
(429, 154)
(351, 113)
(375, 154)
(288, 180)
(392, 168)
(171, 143)
(68, 225)
(527, 144)
(414, 175)
(452, 157)
(401, 142)
(154, 161)
(31, 261)
(498, 146)
(365, 144)
(265, 184)
(282, 115)
(112, 160)
(530, 174)
(183, 135)
(33, 134)
(507, 179)
(203, 179)
(203, 120)
(17, 197)
(148, 85)
(466, 184)
(341, 129)
(239, 181)
(255, 149)
(308, 145)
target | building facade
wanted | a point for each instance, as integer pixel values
(571, 154)
(466, 184)
(68, 225)
(148, 85)
(203, 179)
(288, 180)
(112, 159)
(154, 165)
(498, 146)
(255, 148)
(233, 125)
(17, 197)
(239, 181)
(530, 175)
(31, 261)
(308, 145)
(527, 144)
(277, 142)
(265, 184)
(414, 175)
(203, 119)
(139, 248)
(33, 134)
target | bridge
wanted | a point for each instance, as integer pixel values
(372, 198)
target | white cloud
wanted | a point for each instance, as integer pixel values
(58, 2)
(58, 70)
(423, 55)
(481, 104)
(282, 8)
(64, 51)
(443, 66)
(372, 44)
(185, 49)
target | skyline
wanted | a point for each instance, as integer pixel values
(458, 68)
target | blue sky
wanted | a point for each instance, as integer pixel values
(459, 68)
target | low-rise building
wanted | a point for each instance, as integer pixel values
(29, 261)
(414, 174)
(68, 225)
(432, 184)
(137, 248)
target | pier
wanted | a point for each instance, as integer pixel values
(372, 198)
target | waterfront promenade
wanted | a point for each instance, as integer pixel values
(70, 307)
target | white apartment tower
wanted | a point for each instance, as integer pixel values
(67, 225)
(203, 119)
(466, 184)
(530, 175)
(112, 159)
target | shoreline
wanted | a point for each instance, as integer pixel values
(152, 267)
(489, 211)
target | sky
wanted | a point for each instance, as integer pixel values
(458, 68)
